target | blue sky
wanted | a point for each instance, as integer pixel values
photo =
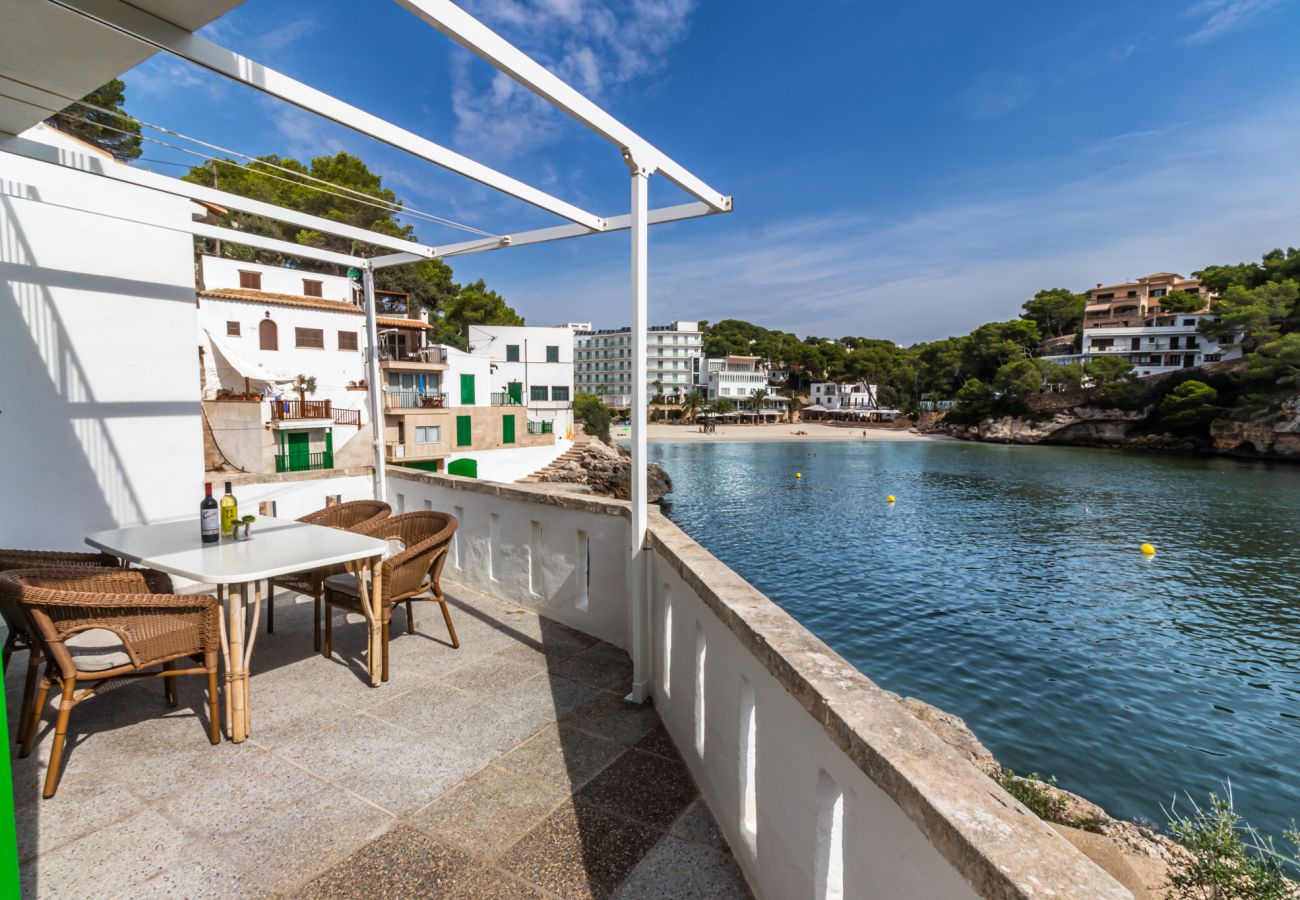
(900, 171)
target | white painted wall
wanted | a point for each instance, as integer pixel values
(99, 382)
(532, 369)
(224, 273)
(294, 499)
(499, 557)
(458, 363)
(512, 464)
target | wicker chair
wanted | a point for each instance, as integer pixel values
(352, 516)
(19, 631)
(412, 573)
(155, 628)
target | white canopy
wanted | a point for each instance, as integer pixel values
(253, 371)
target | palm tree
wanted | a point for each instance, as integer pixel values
(691, 405)
(756, 400)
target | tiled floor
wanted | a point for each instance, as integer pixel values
(511, 767)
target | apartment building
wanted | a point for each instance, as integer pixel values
(262, 327)
(1129, 304)
(603, 361)
(736, 378)
(832, 396)
(532, 368)
(1161, 344)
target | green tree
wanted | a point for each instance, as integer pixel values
(1277, 362)
(475, 304)
(1182, 302)
(974, 401)
(1019, 379)
(102, 127)
(592, 414)
(1189, 405)
(990, 346)
(1056, 311)
(691, 403)
(1259, 312)
(723, 405)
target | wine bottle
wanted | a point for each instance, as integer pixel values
(229, 511)
(209, 518)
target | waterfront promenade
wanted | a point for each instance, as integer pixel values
(815, 431)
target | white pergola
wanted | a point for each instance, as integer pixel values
(148, 33)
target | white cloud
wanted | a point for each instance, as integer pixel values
(594, 48)
(1218, 17)
(1148, 205)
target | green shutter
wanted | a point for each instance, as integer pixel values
(467, 390)
(515, 391)
(507, 429)
(467, 468)
(463, 430)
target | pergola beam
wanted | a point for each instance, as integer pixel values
(108, 168)
(231, 236)
(485, 43)
(555, 233)
(163, 35)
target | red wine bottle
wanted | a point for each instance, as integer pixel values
(209, 517)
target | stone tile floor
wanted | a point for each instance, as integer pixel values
(510, 767)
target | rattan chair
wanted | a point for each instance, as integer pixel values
(352, 516)
(154, 626)
(413, 572)
(19, 632)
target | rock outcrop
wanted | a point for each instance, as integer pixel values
(606, 470)
(1276, 436)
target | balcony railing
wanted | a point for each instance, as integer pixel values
(503, 399)
(347, 417)
(414, 400)
(303, 462)
(541, 428)
(428, 355)
(285, 410)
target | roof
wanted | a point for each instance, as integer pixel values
(268, 297)
(397, 322)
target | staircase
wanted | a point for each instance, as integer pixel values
(573, 454)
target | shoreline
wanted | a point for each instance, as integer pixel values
(660, 432)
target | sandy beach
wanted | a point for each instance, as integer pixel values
(784, 432)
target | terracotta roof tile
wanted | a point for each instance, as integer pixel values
(397, 322)
(274, 299)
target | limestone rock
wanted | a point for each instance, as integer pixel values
(608, 471)
(954, 732)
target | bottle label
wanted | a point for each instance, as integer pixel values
(229, 512)
(209, 523)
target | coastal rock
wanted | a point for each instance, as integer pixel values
(1276, 436)
(607, 471)
(954, 732)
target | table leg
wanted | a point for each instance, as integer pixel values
(370, 595)
(236, 674)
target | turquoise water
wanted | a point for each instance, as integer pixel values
(1006, 586)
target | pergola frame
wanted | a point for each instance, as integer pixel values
(642, 158)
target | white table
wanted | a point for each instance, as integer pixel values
(277, 547)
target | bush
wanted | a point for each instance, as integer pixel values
(593, 414)
(1230, 860)
(1189, 405)
(1044, 800)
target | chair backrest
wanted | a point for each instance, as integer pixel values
(349, 516)
(427, 535)
(137, 605)
(13, 614)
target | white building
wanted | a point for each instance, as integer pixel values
(736, 378)
(833, 397)
(1161, 344)
(530, 367)
(603, 361)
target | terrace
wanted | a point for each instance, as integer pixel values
(625, 715)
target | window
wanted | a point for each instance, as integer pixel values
(250, 280)
(1173, 342)
(268, 335)
(552, 353)
(311, 288)
(1189, 321)
(428, 434)
(1136, 344)
(537, 392)
(512, 353)
(232, 329)
(1158, 292)
(463, 431)
(347, 340)
(310, 338)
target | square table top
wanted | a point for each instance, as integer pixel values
(277, 547)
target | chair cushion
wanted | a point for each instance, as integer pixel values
(345, 583)
(97, 649)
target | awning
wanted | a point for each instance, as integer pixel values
(816, 407)
(253, 371)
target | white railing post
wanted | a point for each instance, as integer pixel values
(374, 390)
(637, 575)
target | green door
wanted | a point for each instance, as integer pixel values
(507, 429)
(515, 391)
(467, 390)
(463, 430)
(299, 450)
(466, 467)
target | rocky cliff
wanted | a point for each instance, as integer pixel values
(608, 471)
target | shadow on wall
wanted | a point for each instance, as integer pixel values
(63, 474)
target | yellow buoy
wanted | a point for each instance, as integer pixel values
(889, 499)
(1148, 550)
(798, 474)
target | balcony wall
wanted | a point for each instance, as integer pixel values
(822, 783)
